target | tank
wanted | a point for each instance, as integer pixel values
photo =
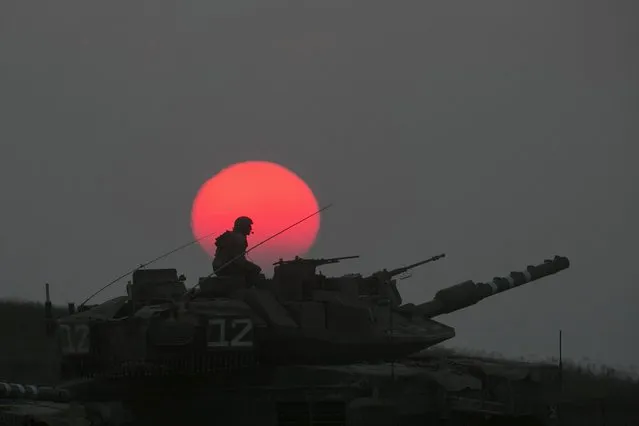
(298, 345)
(298, 316)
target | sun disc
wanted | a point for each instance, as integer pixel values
(270, 194)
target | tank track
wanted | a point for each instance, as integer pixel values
(189, 365)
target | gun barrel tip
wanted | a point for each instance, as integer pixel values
(561, 261)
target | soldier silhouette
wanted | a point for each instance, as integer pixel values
(230, 254)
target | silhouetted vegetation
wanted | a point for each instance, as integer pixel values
(581, 380)
(28, 355)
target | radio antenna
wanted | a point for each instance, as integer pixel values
(142, 265)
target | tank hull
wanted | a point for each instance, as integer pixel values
(283, 348)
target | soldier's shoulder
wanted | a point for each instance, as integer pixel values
(231, 237)
(238, 237)
(224, 236)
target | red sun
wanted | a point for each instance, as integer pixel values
(271, 195)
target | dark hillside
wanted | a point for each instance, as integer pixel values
(27, 355)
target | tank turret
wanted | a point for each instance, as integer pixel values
(295, 279)
(468, 293)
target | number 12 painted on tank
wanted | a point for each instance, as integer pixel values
(229, 332)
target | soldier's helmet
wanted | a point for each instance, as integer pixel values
(243, 224)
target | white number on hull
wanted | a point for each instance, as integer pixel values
(246, 326)
(218, 330)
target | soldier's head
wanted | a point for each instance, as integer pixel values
(243, 225)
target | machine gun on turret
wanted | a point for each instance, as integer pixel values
(303, 268)
(399, 271)
(382, 288)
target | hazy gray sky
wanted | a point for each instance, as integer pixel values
(501, 133)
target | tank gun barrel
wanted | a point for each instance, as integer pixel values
(398, 271)
(468, 293)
